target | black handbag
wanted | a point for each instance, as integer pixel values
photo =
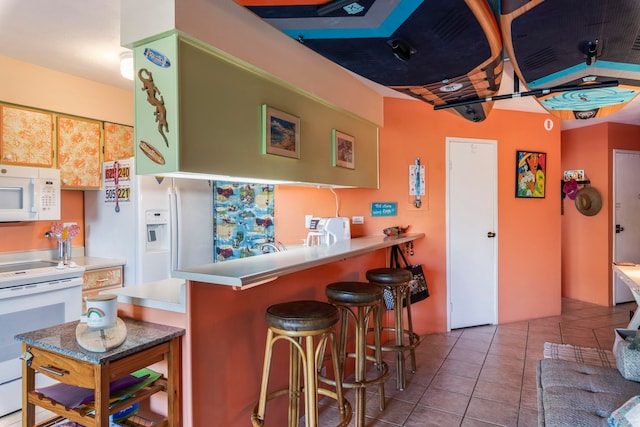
(417, 285)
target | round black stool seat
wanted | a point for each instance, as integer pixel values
(353, 292)
(302, 316)
(389, 276)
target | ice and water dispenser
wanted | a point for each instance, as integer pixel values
(157, 224)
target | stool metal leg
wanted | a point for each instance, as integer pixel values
(294, 384)
(412, 351)
(377, 351)
(398, 293)
(343, 405)
(310, 384)
(258, 418)
(360, 369)
(343, 337)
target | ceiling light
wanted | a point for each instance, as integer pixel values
(126, 64)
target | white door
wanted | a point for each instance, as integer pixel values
(471, 232)
(626, 193)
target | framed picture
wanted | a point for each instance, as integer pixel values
(343, 149)
(531, 171)
(280, 133)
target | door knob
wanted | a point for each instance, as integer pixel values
(491, 234)
(619, 228)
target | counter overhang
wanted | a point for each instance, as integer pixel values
(248, 272)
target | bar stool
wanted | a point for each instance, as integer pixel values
(397, 280)
(358, 301)
(299, 322)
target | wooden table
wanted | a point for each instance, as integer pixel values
(56, 354)
(630, 275)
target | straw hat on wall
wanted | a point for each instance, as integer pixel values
(588, 201)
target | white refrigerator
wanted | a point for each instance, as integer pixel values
(157, 224)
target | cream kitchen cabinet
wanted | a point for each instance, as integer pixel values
(26, 136)
(118, 142)
(103, 279)
(79, 143)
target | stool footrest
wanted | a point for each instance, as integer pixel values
(413, 338)
(348, 412)
(384, 374)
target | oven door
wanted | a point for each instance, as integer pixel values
(28, 308)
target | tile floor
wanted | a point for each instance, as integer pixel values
(481, 376)
(486, 375)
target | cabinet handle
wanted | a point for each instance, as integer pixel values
(102, 280)
(53, 370)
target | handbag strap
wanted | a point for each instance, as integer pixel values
(406, 264)
(393, 258)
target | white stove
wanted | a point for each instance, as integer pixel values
(33, 295)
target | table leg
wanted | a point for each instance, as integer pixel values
(28, 384)
(173, 389)
(635, 320)
(101, 374)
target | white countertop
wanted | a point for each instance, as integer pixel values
(88, 262)
(168, 294)
(630, 275)
(244, 273)
(93, 263)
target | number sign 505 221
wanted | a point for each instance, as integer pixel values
(123, 193)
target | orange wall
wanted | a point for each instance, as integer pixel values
(29, 235)
(587, 241)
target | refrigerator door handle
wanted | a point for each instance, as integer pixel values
(173, 229)
(177, 248)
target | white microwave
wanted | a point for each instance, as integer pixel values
(29, 193)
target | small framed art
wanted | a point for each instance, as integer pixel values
(531, 171)
(280, 133)
(343, 149)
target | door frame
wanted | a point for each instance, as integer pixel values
(613, 219)
(494, 143)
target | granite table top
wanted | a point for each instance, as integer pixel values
(61, 339)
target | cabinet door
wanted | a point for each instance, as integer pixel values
(26, 137)
(79, 152)
(118, 142)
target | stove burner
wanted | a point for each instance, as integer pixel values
(25, 266)
(33, 272)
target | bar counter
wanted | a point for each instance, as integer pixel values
(245, 273)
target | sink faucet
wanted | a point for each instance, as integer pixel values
(274, 247)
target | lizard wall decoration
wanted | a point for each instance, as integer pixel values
(152, 90)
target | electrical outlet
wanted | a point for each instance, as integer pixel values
(357, 220)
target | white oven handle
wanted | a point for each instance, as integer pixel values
(38, 288)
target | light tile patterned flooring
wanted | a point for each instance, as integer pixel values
(481, 376)
(486, 375)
